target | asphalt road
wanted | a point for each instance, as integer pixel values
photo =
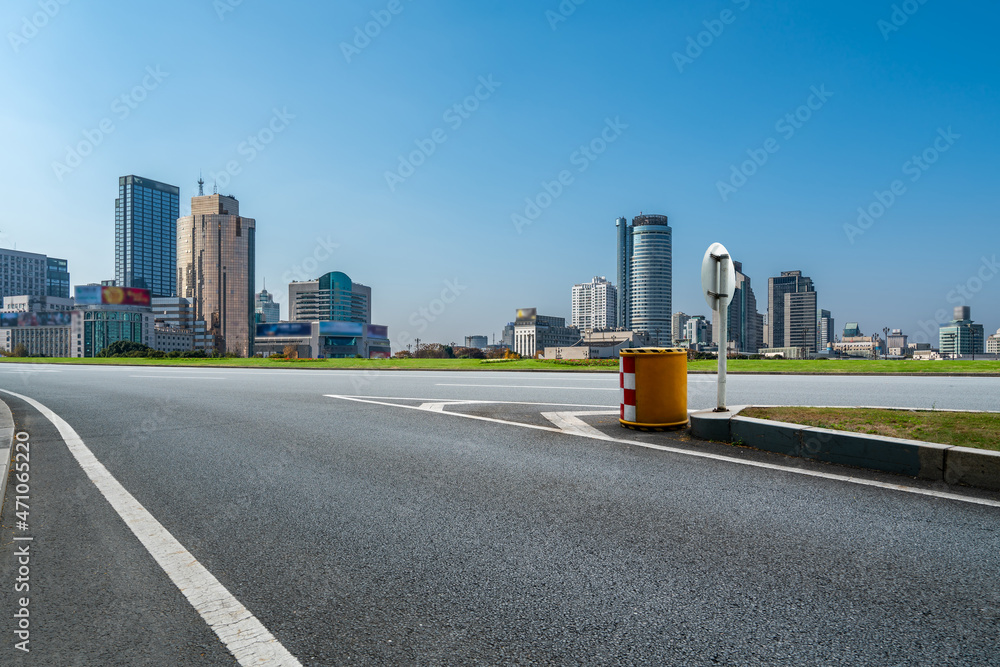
(382, 533)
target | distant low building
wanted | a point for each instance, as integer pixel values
(599, 345)
(533, 332)
(477, 342)
(962, 336)
(324, 340)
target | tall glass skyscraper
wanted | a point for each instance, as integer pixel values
(146, 213)
(645, 276)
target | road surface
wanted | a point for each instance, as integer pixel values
(361, 519)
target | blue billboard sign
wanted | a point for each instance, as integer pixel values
(341, 329)
(285, 329)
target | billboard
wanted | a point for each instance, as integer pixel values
(341, 329)
(100, 295)
(376, 331)
(285, 329)
(57, 319)
(527, 314)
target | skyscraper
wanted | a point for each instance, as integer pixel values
(624, 256)
(743, 327)
(780, 290)
(215, 269)
(645, 268)
(826, 329)
(146, 213)
(595, 305)
(265, 305)
(677, 324)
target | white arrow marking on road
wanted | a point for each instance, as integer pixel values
(570, 422)
(245, 637)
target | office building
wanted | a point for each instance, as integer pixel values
(477, 342)
(594, 305)
(677, 324)
(744, 326)
(784, 300)
(962, 336)
(645, 276)
(177, 329)
(507, 337)
(57, 278)
(36, 304)
(800, 320)
(697, 332)
(216, 254)
(897, 344)
(32, 274)
(855, 344)
(826, 329)
(331, 297)
(993, 343)
(146, 213)
(533, 333)
(265, 305)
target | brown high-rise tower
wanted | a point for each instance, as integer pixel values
(215, 270)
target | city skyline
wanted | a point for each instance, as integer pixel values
(855, 161)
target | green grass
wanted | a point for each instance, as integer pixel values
(790, 366)
(980, 430)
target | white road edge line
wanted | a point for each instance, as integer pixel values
(705, 455)
(245, 637)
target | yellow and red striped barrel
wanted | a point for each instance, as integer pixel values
(653, 383)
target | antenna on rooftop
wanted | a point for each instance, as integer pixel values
(215, 188)
(201, 185)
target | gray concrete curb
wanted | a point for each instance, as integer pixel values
(927, 460)
(6, 447)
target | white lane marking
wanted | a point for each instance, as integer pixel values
(570, 422)
(714, 457)
(439, 407)
(463, 400)
(29, 370)
(246, 637)
(516, 386)
(177, 377)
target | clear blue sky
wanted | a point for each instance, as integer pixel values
(324, 174)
